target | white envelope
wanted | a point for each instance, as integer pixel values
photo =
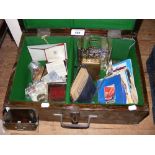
(57, 52)
(58, 67)
(38, 53)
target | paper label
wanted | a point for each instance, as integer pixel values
(132, 107)
(109, 92)
(78, 32)
(45, 105)
(7, 109)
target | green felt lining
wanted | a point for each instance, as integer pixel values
(121, 49)
(22, 76)
(114, 24)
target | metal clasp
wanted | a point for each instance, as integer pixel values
(75, 115)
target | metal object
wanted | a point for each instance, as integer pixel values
(43, 32)
(75, 115)
(76, 126)
(114, 34)
(20, 119)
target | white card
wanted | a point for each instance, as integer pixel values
(37, 54)
(58, 67)
(57, 52)
(78, 32)
(45, 105)
(132, 107)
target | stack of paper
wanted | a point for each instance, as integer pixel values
(55, 55)
(125, 70)
(119, 87)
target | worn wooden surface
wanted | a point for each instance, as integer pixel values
(146, 39)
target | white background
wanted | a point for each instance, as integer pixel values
(77, 9)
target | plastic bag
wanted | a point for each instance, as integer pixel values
(38, 91)
(36, 70)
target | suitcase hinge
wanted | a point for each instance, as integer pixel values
(114, 34)
(43, 32)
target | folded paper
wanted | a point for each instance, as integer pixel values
(48, 52)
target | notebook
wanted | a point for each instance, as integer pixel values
(83, 88)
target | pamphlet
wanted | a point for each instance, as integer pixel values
(48, 52)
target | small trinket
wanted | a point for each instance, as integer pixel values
(36, 70)
(57, 92)
(38, 91)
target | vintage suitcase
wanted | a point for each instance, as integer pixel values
(20, 114)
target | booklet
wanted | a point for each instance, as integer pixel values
(125, 70)
(110, 89)
(126, 63)
(48, 52)
(119, 83)
(83, 88)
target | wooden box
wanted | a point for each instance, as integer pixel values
(71, 115)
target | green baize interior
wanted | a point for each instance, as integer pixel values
(121, 49)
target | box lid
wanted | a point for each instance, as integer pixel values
(113, 24)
